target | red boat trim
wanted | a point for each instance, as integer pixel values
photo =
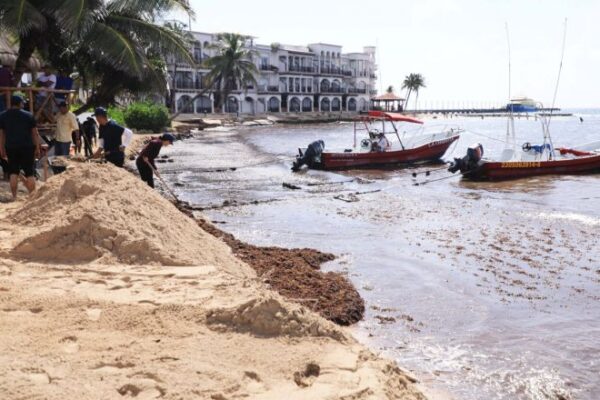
(490, 170)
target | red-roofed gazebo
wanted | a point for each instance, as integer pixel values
(388, 102)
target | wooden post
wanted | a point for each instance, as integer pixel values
(31, 101)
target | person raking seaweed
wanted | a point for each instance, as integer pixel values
(145, 161)
(113, 139)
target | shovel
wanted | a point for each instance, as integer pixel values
(165, 184)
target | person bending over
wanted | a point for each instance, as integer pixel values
(145, 161)
(19, 144)
(112, 140)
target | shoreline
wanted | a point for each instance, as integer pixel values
(293, 273)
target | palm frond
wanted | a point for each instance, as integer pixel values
(116, 48)
(149, 7)
(164, 40)
(75, 16)
(20, 17)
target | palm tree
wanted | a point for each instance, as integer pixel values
(390, 89)
(118, 43)
(232, 68)
(413, 83)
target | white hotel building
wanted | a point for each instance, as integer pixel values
(313, 78)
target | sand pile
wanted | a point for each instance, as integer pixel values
(107, 291)
(101, 213)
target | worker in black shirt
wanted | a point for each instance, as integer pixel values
(145, 161)
(112, 140)
(19, 144)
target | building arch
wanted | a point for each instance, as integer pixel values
(325, 86)
(185, 105)
(325, 104)
(307, 104)
(352, 104)
(362, 105)
(336, 104)
(203, 105)
(295, 105)
(362, 85)
(232, 105)
(336, 86)
(274, 105)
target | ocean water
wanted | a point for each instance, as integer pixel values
(481, 290)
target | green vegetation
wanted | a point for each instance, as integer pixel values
(117, 114)
(116, 46)
(147, 117)
(413, 83)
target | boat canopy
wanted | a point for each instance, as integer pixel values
(389, 116)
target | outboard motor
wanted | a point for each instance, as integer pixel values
(311, 157)
(468, 162)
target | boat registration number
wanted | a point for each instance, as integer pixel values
(532, 164)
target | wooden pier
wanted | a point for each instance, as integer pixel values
(488, 112)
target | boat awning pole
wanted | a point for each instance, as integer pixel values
(398, 135)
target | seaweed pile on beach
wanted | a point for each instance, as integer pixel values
(296, 275)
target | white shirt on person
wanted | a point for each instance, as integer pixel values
(65, 125)
(47, 78)
(383, 144)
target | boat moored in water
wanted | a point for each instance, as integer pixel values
(529, 160)
(417, 148)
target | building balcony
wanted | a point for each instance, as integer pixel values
(333, 71)
(189, 85)
(268, 89)
(271, 68)
(332, 90)
(357, 91)
(301, 69)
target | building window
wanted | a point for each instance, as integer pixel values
(295, 105)
(274, 104)
(336, 104)
(352, 104)
(264, 63)
(185, 105)
(307, 105)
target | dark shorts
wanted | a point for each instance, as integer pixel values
(145, 171)
(62, 149)
(116, 157)
(21, 159)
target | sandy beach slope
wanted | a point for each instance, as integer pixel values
(107, 291)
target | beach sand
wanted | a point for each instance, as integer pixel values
(108, 291)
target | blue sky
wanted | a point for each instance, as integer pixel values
(458, 45)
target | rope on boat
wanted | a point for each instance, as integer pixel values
(487, 137)
(226, 169)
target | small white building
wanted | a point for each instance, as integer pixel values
(314, 78)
